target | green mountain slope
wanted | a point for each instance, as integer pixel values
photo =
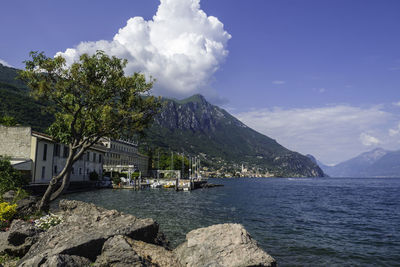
(16, 102)
(195, 126)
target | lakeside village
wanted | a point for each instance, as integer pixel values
(108, 164)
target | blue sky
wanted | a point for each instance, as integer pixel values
(320, 77)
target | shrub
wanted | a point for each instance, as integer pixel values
(116, 180)
(10, 178)
(7, 211)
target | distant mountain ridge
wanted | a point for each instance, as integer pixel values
(375, 163)
(193, 125)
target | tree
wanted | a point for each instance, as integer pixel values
(91, 99)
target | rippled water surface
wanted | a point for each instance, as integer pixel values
(312, 222)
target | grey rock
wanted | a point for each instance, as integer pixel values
(20, 230)
(26, 206)
(85, 229)
(19, 239)
(222, 245)
(156, 255)
(9, 196)
(117, 252)
(62, 260)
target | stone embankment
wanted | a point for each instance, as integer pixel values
(93, 236)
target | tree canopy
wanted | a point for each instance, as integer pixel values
(90, 99)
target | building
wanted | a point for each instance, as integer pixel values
(123, 156)
(41, 157)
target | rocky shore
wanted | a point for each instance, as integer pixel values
(93, 236)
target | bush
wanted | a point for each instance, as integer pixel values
(116, 180)
(7, 211)
(10, 178)
(93, 176)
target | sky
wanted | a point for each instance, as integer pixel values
(322, 77)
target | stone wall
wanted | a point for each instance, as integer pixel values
(15, 142)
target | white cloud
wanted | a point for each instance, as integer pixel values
(278, 82)
(332, 133)
(369, 140)
(397, 104)
(4, 63)
(181, 47)
(395, 131)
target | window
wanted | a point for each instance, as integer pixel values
(56, 152)
(44, 152)
(73, 171)
(80, 171)
(66, 151)
(88, 156)
(99, 158)
(55, 169)
(94, 157)
(43, 172)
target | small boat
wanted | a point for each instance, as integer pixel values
(156, 185)
(169, 185)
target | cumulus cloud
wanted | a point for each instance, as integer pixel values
(330, 133)
(397, 104)
(395, 131)
(4, 63)
(181, 47)
(369, 140)
(278, 82)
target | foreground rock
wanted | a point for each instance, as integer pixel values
(222, 245)
(118, 252)
(19, 238)
(93, 236)
(85, 229)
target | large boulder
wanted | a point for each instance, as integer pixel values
(117, 252)
(84, 230)
(19, 238)
(222, 245)
(156, 255)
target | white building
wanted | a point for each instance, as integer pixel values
(122, 155)
(40, 156)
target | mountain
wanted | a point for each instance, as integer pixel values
(192, 126)
(375, 163)
(195, 126)
(16, 102)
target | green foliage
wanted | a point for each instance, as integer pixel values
(92, 98)
(8, 260)
(7, 211)
(21, 194)
(10, 178)
(93, 176)
(116, 180)
(8, 121)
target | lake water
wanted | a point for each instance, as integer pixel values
(312, 222)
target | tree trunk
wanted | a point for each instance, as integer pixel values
(50, 195)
